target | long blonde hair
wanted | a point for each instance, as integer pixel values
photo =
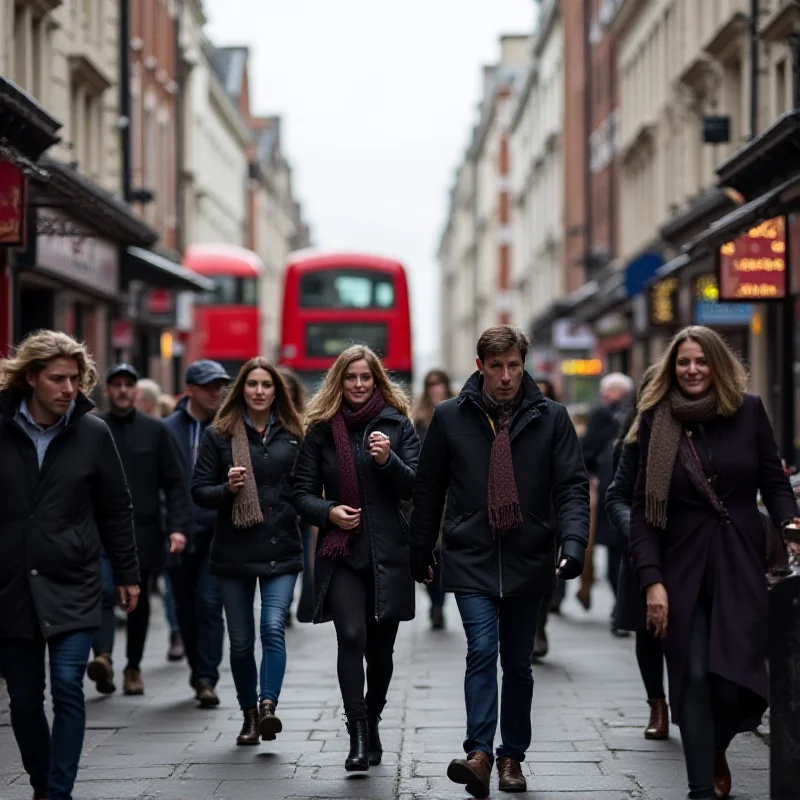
(728, 376)
(37, 351)
(328, 400)
(231, 412)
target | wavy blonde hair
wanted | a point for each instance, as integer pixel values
(328, 400)
(728, 375)
(37, 351)
(231, 412)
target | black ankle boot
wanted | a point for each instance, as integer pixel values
(375, 746)
(249, 733)
(358, 758)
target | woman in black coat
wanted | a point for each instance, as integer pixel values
(698, 544)
(244, 470)
(630, 613)
(356, 466)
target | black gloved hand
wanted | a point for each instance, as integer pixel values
(422, 561)
(569, 568)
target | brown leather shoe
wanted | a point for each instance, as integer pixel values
(132, 683)
(658, 727)
(268, 724)
(101, 671)
(722, 775)
(474, 772)
(511, 777)
(249, 733)
(206, 694)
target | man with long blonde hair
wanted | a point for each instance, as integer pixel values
(64, 498)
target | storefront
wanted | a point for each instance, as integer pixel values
(26, 131)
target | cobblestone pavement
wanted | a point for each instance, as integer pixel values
(588, 719)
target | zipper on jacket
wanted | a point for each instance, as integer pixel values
(360, 462)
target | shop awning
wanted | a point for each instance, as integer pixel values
(24, 125)
(162, 272)
(739, 220)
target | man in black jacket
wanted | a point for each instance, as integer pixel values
(197, 597)
(502, 456)
(151, 467)
(64, 498)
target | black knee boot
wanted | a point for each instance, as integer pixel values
(358, 758)
(375, 745)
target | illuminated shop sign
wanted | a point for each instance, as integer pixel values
(663, 303)
(581, 366)
(753, 265)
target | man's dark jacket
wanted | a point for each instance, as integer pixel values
(185, 429)
(549, 473)
(54, 522)
(151, 464)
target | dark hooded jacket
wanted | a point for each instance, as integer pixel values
(55, 520)
(454, 470)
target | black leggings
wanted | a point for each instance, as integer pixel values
(352, 603)
(711, 709)
(650, 657)
(138, 622)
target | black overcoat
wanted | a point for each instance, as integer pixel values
(54, 521)
(272, 547)
(152, 466)
(697, 538)
(453, 476)
(382, 491)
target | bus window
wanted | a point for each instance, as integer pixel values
(356, 289)
(329, 339)
(249, 288)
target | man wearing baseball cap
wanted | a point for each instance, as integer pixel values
(151, 466)
(197, 598)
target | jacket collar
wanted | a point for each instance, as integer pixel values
(531, 393)
(10, 402)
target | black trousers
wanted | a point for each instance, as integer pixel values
(710, 714)
(352, 602)
(650, 658)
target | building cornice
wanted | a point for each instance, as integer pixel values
(24, 124)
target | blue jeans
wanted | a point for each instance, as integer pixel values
(199, 606)
(237, 597)
(506, 626)
(51, 760)
(169, 605)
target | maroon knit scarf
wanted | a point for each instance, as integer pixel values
(337, 542)
(505, 514)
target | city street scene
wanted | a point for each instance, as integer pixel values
(399, 400)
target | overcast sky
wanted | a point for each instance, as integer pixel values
(378, 98)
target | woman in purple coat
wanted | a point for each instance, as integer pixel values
(698, 545)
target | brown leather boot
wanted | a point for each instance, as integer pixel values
(132, 683)
(511, 777)
(249, 733)
(658, 727)
(474, 772)
(722, 775)
(101, 671)
(268, 724)
(206, 695)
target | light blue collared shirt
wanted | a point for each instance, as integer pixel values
(41, 437)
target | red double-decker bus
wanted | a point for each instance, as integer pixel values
(334, 300)
(227, 321)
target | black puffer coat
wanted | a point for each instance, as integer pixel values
(550, 476)
(382, 491)
(54, 521)
(273, 547)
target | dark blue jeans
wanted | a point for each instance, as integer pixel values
(506, 626)
(51, 760)
(199, 606)
(237, 597)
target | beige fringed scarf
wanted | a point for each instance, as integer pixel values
(246, 508)
(670, 414)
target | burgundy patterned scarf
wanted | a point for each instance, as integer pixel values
(505, 514)
(337, 542)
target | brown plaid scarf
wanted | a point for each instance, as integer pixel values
(246, 508)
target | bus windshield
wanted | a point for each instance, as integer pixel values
(347, 289)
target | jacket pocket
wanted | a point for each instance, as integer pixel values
(541, 521)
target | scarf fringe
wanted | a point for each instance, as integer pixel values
(247, 513)
(655, 511)
(505, 519)
(336, 545)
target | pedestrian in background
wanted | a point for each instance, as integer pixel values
(64, 498)
(631, 610)
(705, 450)
(437, 387)
(356, 467)
(147, 394)
(244, 472)
(308, 534)
(496, 461)
(197, 597)
(151, 467)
